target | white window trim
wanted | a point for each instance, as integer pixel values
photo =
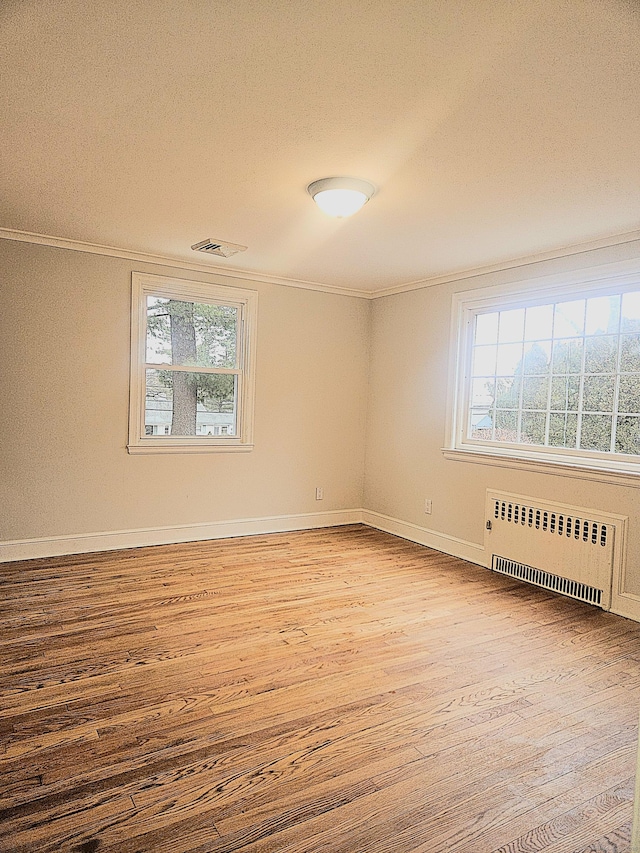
(616, 277)
(143, 285)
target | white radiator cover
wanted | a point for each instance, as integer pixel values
(575, 550)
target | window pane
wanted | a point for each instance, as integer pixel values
(567, 356)
(596, 432)
(568, 321)
(191, 333)
(511, 326)
(603, 315)
(509, 358)
(484, 361)
(629, 395)
(628, 435)
(533, 428)
(506, 426)
(481, 424)
(597, 395)
(537, 357)
(483, 392)
(535, 390)
(629, 353)
(563, 430)
(190, 403)
(630, 312)
(565, 393)
(601, 354)
(538, 323)
(508, 392)
(487, 328)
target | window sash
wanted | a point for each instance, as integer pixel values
(245, 301)
(192, 368)
(471, 304)
(197, 301)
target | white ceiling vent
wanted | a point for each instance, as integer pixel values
(216, 247)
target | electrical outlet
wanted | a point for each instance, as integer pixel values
(319, 493)
(428, 506)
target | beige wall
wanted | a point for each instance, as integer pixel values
(406, 421)
(332, 371)
(64, 353)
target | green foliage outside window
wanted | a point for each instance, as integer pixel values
(579, 391)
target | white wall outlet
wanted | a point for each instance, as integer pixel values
(428, 506)
(319, 493)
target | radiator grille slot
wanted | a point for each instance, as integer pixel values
(573, 589)
(558, 523)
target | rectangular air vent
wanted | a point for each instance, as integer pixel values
(538, 577)
(217, 247)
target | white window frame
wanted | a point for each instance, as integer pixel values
(582, 464)
(144, 285)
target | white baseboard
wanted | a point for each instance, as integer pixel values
(423, 536)
(55, 546)
(82, 543)
(626, 604)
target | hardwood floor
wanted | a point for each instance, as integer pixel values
(334, 690)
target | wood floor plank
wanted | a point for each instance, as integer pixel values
(337, 689)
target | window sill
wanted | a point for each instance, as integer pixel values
(557, 467)
(143, 449)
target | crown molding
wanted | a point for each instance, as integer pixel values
(249, 276)
(513, 263)
(174, 262)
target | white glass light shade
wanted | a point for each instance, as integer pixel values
(340, 196)
(340, 202)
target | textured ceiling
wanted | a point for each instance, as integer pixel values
(494, 129)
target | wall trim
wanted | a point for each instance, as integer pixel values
(83, 543)
(624, 604)
(247, 275)
(510, 264)
(551, 466)
(175, 262)
(424, 536)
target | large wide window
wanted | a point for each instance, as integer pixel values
(554, 376)
(191, 366)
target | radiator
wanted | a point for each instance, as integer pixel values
(567, 549)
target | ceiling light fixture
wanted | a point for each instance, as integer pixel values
(341, 196)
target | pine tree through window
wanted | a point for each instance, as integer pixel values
(191, 365)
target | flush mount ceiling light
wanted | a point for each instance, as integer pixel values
(340, 196)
